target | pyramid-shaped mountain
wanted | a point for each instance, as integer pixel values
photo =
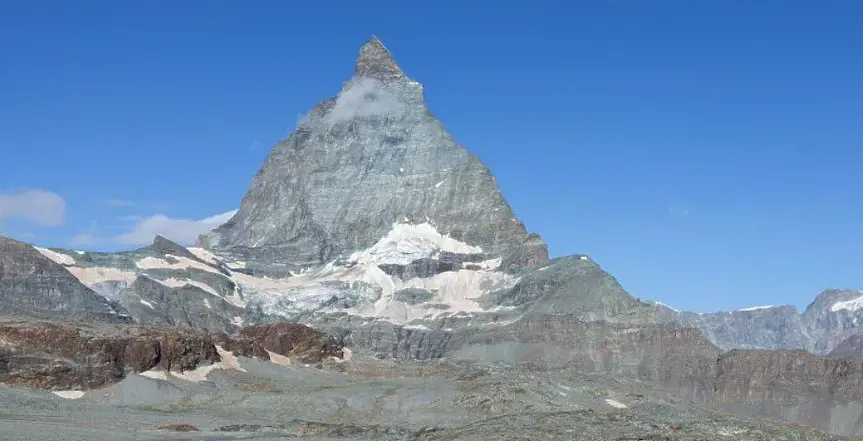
(361, 165)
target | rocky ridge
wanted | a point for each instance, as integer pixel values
(832, 318)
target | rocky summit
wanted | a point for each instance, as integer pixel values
(371, 163)
(375, 284)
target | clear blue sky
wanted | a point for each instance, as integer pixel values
(708, 154)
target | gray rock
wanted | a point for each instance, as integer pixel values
(32, 285)
(359, 163)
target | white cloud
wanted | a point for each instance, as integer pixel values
(183, 231)
(365, 97)
(40, 207)
(83, 239)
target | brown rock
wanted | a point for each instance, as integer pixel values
(45, 355)
(180, 428)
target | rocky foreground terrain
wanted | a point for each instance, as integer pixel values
(375, 284)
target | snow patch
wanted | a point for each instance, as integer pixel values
(229, 362)
(147, 304)
(755, 308)
(406, 243)
(62, 259)
(69, 394)
(182, 263)
(80, 252)
(205, 255)
(279, 358)
(207, 304)
(663, 304)
(237, 321)
(93, 275)
(849, 305)
(180, 283)
(615, 404)
(155, 374)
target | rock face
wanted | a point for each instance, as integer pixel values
(287, 339)
(361, 162)
(62, 357)
(33, 285)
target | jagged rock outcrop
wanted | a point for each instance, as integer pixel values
(54, 356)
(33, 285)
(64, 357)
(359, 163)
(299, 342)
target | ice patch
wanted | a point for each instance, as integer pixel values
(755, 308)
(69, 394)
(147, 304)
(615, 404)
(849, 305)
(62, 259)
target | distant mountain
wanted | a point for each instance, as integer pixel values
(832, 318)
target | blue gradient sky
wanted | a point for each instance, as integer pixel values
(708, 154)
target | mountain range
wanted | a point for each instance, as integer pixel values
(370, 238)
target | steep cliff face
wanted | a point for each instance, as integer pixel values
(834, 316)
(35, 285)
(358, 165)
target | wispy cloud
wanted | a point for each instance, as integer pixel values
(118, 203)
(41, 207)
(366, 97)
(677, 211)
(184, 231)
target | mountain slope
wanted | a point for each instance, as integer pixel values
(33, 284)
(362, 164)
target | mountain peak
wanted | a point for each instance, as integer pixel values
(376, 61)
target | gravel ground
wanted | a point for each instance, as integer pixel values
(371, 399)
